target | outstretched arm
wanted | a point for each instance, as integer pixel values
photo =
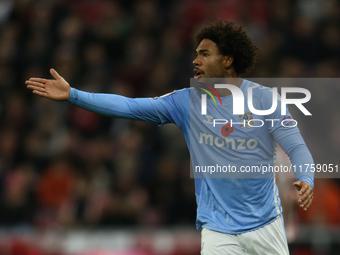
(161, 111)
(57, 89)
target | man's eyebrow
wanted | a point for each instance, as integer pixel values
(201, 51)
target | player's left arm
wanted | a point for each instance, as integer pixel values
(291, 141)
(302, 162)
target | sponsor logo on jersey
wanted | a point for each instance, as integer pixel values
(230, 143)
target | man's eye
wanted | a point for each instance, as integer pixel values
(205, 54)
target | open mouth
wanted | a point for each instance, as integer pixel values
(198, 73)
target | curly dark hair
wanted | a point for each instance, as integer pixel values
(231, 40)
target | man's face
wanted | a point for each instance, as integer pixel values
(209, 63)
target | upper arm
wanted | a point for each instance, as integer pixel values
(159, 110)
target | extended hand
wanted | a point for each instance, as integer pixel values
(57, 89)
(305, 193)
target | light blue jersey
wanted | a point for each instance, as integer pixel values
(228, 202)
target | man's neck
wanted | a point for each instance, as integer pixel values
(230, 73)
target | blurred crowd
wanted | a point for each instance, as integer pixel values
(61, 166)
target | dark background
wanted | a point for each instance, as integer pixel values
(64, 168)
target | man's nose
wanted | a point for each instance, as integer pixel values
(196, 62)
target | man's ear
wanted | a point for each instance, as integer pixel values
(228, 60)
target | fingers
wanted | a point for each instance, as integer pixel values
(309, 202)
(43, 81)
(305, 193)
(34, 83)
(39, 93)
(55, 74)
(304, 199)
(35, 86)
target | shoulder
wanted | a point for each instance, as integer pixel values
(177, 99)
(175, 94)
